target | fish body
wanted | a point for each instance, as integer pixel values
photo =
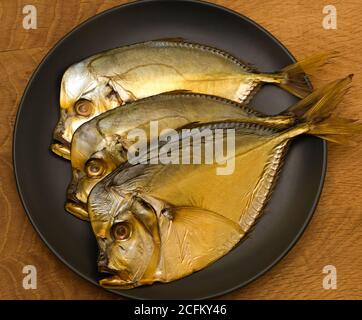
(173, 201)
(147, 218)
(102, 143)
(109, 79)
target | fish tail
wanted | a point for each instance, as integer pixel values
(292, 78)
(310, 102)
(336, 129)
(319, 119)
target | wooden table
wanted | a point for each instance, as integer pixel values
(334, 236)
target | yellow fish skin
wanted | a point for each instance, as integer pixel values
(147, 217)
(109, 79)
(100, 145)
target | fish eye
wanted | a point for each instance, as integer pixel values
(83, 107)
(95, 168)
(121, 231)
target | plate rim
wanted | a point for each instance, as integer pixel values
(21, 106)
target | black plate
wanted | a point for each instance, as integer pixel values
(42, 177)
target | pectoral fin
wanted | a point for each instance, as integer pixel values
(195, 238)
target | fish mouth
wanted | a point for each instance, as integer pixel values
(77, 209)
(116, 282)
(105, 269)
(61, 147)
(119, 280)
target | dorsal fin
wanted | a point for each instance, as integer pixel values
(171, 39)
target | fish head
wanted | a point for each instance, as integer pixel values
(92, 158)
(83, 96)
(126, 231)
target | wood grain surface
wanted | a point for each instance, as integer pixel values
(334, 237)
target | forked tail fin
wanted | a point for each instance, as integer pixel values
(301, 108)
(318, 115)
(293, 76)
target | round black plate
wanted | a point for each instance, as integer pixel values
(42, 177)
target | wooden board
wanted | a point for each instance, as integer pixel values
(334, 236)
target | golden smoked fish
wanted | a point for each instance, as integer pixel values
(147, 217)
(109, 79)
(101, 145)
